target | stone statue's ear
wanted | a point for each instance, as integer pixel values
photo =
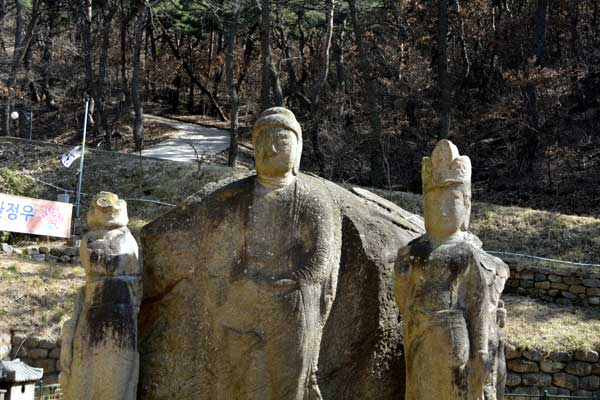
(465, 224)
(296, 167)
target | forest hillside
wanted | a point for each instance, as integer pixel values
(374, 83)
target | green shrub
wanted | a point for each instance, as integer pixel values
(16, 184)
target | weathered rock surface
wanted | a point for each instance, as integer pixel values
(361, 346)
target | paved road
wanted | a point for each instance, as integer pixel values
(206, 140)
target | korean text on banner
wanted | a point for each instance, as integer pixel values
(35, 216)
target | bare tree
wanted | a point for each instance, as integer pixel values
(315, 93)
(48, 40)
(100, 88)
(2, 16)
(443, 79)
(233, 96)
(528, 152)
(22, 43)
(269, 75)
(15, 64)
(374, 142)
(138, 123)
(265, 54)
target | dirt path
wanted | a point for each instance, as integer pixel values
(180, 147)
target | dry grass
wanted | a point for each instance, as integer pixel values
(524, 230)
(37, 297)
(533, 324)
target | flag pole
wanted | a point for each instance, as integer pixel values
(80, 178)
(85, 119)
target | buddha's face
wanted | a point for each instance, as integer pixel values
(275, 151)
(446, 212)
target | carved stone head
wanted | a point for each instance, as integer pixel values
(446, 190)
(107, 211)
(277, 140)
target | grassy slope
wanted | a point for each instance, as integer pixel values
(37, 297)
(501, 228)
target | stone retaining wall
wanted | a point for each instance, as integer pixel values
(575, 373)
(62, 254)
(562, 284)
(571, 373)
(40, 352)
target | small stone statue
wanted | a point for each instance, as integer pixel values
(448, 292)
(99, 355)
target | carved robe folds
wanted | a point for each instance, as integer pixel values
(448, 297)
(263, 286)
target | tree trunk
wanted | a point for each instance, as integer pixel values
(218, 76)
(340, 68)
(47, 53)
(124, 50)
(233, 96)
(340, 73)
(138, 124)
(15, 65)
(575, 43)
(529, 151)
(103, 123)
(539, 33)
(375, 139)
(265, 55)
(276, 86)
(30, 84)
(315, 93)
(190, 100)
(463, 41)
(442, 69)
(88, 54)
(2, 16)
(248, 52)
(187, 68)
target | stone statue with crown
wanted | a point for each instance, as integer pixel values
(448, 292)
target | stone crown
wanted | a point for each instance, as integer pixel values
(445, 167)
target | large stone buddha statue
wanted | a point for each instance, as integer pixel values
(241, 292)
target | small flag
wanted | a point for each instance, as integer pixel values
(73, 154)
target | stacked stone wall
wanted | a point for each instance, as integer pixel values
(562, 284)
(60, 254)
(570, 373)
(40, 352)
(565, 373)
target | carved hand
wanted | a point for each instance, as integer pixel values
(282, 285)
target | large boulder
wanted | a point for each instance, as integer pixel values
(361, 348)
